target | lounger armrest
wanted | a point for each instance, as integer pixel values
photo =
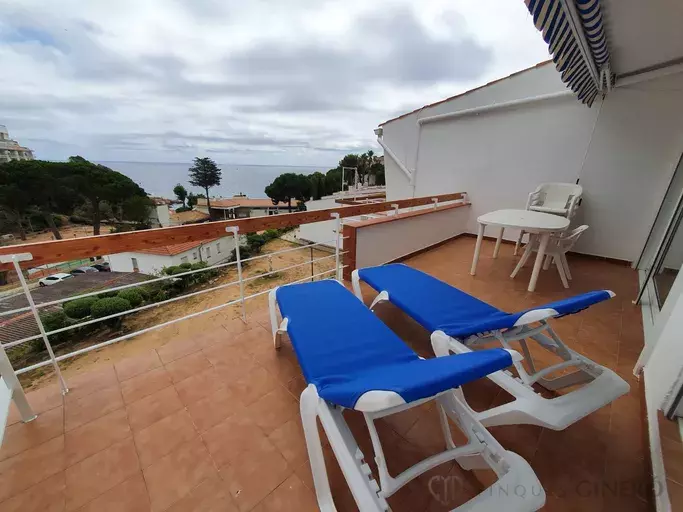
(563, 307)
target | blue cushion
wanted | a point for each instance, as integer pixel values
(346, 351)
(438, 306)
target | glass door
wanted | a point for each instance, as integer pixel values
(663, 248)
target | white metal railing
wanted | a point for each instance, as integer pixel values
(54, 360)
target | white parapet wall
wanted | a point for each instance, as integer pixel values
(380, 241)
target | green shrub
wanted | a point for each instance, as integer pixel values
(107, 295)
(271, 234)
(170, 270)
(54, 320)
(79, 308)
(109, 306)
(131, 295)
(143, 292)
(255, 242)
(177, 270)
(186, 266)
(160, 295)
(198, 265)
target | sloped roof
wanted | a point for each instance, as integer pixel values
(188, 217)
(243, 202)
(172, 250)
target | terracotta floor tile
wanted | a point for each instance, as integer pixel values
(87, 383)
(277, 363)
(162, 437)
(257, 383)
(91, 407)
(210, 337)
(213, 409)
(22, 471)
(199, 386)
(41, 400)
(255, 341)
(188, 366)
(232, 436)
(209, 496)
(273, 410)
(22, 436)
(289, 439)
(145, 384)
(230, 360)
(296, 386)
(235, 327)
(153, 408)
(254, 474)
(99, 473)
(176, 349)
(136, 365)
(128, 496)
(291, 496)
(47, 496)
(88, 439)
(174, 476)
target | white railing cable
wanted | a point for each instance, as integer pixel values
(337, 233)
(164, 302)
(156, 279)
(235, 230)
(15, 259)
(159, 326)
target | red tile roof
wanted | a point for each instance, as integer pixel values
(172, 250)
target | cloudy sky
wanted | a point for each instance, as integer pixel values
(293, 82)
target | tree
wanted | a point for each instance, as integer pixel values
(205, 174)
(191, 200)
(288, 187)
(137, 209)
(180, 193)
(15, 200)
(318, 185)
(98, 183)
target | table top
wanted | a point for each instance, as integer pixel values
(525, 219)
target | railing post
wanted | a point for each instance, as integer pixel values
(337, 231)
(395, 207)
(15, 259)
(435, 200)
(235, 231)
(10, 378)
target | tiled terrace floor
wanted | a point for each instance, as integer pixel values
(211, 422)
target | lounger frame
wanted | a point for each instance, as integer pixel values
(481, 451)
(600, 384)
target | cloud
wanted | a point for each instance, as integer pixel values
(248, 82)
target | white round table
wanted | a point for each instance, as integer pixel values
(534, 223)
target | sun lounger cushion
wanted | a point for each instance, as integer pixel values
(438, 306)
(346, 351)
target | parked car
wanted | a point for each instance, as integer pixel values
(102, 267)
(83, 270)
(54, 279)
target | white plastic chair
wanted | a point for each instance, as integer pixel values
(555, 198)
(557, 249)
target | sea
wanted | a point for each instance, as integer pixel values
(159, 178)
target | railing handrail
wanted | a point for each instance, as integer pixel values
(64, 250)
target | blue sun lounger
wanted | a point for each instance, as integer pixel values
(459, 323)
(350, 359)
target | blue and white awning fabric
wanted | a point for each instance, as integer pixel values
(565, 32)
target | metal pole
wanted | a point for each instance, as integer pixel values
(15, 259)
(311, 248)
(235, 231)
(17, 392)
(337, 230)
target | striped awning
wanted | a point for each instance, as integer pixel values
(563, 30)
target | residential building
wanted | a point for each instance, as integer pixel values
(153, 260)
(159, 214)
(323, 232)
(240, 207)
(188, 217)
(11, 149)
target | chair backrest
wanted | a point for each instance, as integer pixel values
(567, 240)
(557, 195)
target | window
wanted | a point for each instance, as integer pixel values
(208, 251)
(218, 247)
(135, 264)
(183, 259)
(194, 255)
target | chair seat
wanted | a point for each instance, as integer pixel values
(438, 306)
(346, 351)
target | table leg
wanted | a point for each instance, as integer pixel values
(545, 237)
(477, 248)
(498, 241)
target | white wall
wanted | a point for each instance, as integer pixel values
(320, 232)
(380, 243)
(630, 143)
(154, 263)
